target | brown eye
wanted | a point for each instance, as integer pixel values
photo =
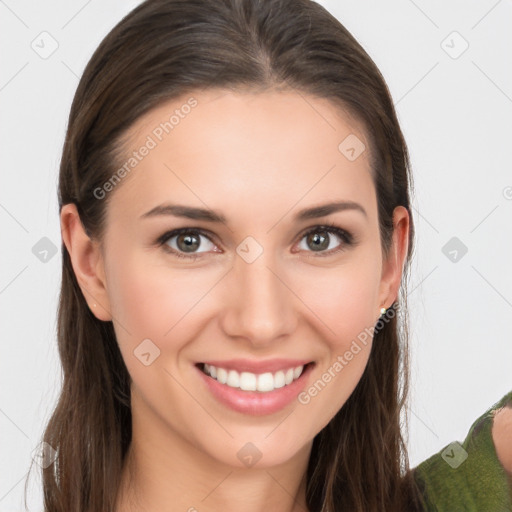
(185, 242)
(321, 239)
(318, 241)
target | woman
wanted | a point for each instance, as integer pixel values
(237, 232)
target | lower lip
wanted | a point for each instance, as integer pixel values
(254, 402)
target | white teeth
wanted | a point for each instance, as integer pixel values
(222, 375)
(213, 371)
(265, 382)
(279, 379)
(233, 379)
(248, 381)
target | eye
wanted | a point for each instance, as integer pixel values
(187, 241)
(184, 242)
(320, 237)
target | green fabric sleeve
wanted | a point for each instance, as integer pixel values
(467, 477)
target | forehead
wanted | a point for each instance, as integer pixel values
(248, 150)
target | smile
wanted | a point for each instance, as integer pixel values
(248, 381)
(253, 393)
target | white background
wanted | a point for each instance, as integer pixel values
(456, 117)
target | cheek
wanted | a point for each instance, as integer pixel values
(344, 303)
(344, 299)
(149, 300)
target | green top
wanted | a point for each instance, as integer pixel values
(467, 477)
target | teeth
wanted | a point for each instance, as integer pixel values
(279, 379)
(248, 381)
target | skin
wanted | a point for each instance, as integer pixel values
(502, 437)
(258, 158)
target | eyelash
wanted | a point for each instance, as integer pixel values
(347, 238)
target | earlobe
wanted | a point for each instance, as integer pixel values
(87, 262)
(392, 267)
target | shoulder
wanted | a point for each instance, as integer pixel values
(472, 475)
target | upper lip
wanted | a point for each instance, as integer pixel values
(269, 365)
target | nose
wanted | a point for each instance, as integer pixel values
(260, 306)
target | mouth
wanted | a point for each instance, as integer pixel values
(255, 382)
(256, 394)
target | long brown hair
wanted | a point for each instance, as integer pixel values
(164, 49)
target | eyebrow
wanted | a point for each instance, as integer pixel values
(194, 213)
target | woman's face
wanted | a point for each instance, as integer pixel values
(254, 292)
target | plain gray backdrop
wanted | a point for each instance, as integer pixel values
(448, 67)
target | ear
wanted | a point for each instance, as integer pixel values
(393, 265)
(87, 262)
